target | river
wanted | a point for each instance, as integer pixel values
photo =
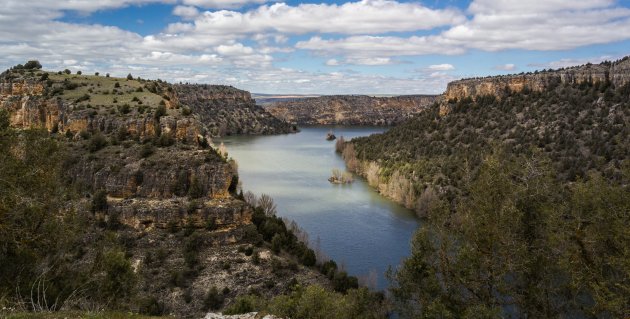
(352, 223)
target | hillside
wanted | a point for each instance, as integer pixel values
(524, 192)
(113, 197)
(580, 124)
(350, 109)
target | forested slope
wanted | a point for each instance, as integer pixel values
(525, 196)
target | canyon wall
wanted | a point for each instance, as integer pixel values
(229, 111)
(350, 109)
(616, 73)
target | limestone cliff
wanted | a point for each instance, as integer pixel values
(616, 73)
(350, 109)
(229, 111)
(139, 157)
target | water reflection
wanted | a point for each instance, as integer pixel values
(355, 225)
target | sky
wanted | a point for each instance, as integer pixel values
(314, 47)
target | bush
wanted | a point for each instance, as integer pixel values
(99, 201)
(33, 65)
(256, 258)
(159, 112)
(213, 300)
(151, 306)
(66, 71)
(342, 282)
(165, 140)
(243, 304)
(4, 120)
(124, 109)
(97, 142)
(196, 189)
(119, 276)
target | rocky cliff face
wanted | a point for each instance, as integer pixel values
(229, 111)
(616, 73)
(350, 109)
(139, 154)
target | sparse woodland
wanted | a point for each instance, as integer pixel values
(526, 202)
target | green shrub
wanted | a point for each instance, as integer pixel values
(119, 276)
(124, 109)
(32, 65)
(97, 142)
(99, 201)
(244, 304)
(159, 112)
(256, 258)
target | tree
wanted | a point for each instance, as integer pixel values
(129, 77)
(4, 120)
(33, 65)
(267, 205)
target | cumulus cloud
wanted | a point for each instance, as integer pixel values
(441, 67)
(505, 67)
(222, 4)
(364, 47)
(365, 16)
(500, 25)
(186, 12)
(239, 47)
(563, 63)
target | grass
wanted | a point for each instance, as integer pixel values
(74, 315)
(101, 84)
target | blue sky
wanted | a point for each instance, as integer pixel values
(322, 47)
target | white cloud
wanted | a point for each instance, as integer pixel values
(234, 49)
(534, 6)
(186, 12)
(365, 16)
(373, 47)
(369, 61)
(498, 25)
(505, 67)
(85, 6)
(441, 67)
(563, 63)
(332, 62)
(222, 4)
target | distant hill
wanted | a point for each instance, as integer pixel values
(350, 109)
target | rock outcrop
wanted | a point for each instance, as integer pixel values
(616, 73)
(350, 109)
(139, 157)
(229, 111)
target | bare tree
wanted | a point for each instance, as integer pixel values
(268, 206)
(250, 198)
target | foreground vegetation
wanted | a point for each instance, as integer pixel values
(520, 244)
(526, 200)
(100, 214)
